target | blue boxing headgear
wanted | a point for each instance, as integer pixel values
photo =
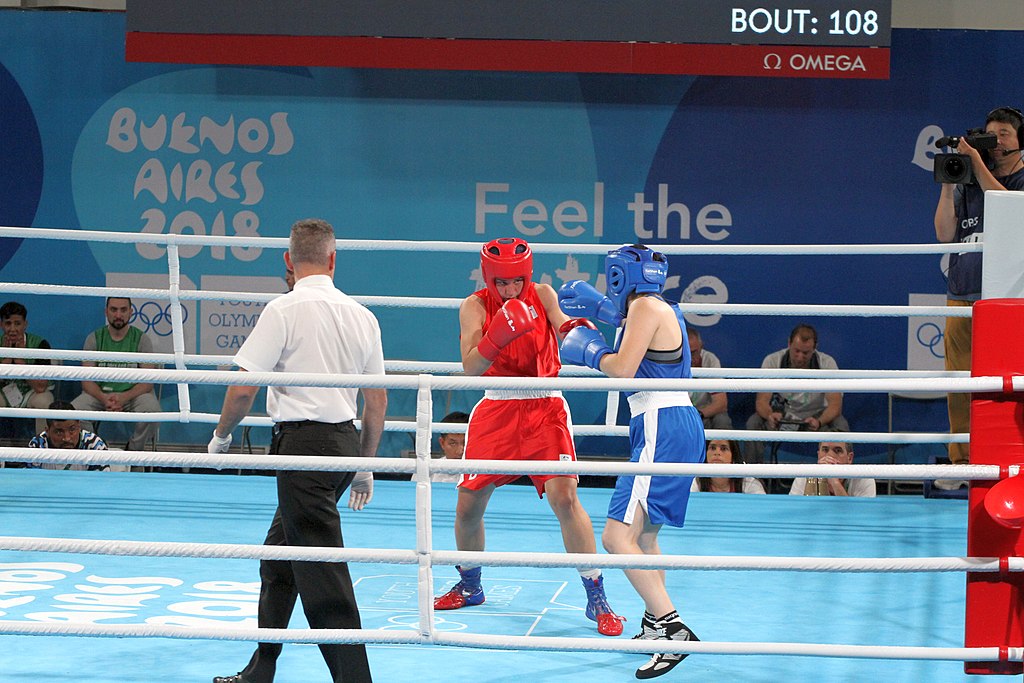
(633, 269)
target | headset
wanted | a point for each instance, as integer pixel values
(1013, 113)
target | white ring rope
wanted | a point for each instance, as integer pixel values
(594, 383)
(230, 551)
(837, 310)
(173, 240)
(429, 636)
(503, 642)
(410, 466)
(474, 247)
(138, 292)
(933, 382)
(424, 556)
(460, 428)
(236, 551)
(727, 648)
(266, 635)
(452, 367)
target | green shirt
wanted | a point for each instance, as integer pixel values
(134, 342)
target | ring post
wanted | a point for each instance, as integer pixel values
(993, 612)
(424, 520)
(178, 327)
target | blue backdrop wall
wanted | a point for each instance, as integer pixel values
(88, 141)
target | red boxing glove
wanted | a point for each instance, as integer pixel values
(513, 321)
(573, 323)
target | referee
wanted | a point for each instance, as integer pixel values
(315, 328)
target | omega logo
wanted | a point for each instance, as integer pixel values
(801, 62)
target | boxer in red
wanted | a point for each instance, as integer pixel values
(509, 330)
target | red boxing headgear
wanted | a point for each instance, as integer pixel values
(505, 258)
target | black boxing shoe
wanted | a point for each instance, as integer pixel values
(648, 631)
(663, 662)
(234, 678)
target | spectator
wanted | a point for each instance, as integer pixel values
(120, 337)
(713, 407)
(803, 410)
(960, 217)
(722, 452)
(66, 434)
(452, 446)
(23, 393)
(833, 453)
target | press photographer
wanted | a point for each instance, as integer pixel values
(960, 217)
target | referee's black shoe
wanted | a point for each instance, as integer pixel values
(234, 678)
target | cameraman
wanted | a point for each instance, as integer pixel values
(959, 217)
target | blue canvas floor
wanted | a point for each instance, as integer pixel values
(869, 609)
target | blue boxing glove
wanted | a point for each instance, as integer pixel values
(579, 299)
(584, 346)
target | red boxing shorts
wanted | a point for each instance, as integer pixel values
(518, 429)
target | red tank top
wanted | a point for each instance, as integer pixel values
(535, 354)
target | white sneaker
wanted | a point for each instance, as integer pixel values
(950, 484)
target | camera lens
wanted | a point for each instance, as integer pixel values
(954, 167)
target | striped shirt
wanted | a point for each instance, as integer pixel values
(87, 441)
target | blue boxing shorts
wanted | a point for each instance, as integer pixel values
(669, 434)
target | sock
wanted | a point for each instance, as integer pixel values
(470, 578)
(671, 616)
(592, 574)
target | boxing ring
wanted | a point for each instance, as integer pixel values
(814, 569)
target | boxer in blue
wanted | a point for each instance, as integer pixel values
(664, 426)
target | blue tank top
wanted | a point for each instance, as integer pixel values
(672, 364)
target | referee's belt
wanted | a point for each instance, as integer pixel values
(304, 424)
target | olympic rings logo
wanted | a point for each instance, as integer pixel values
(154, 318)
(931, 336)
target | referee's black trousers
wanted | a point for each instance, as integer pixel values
(307, 515)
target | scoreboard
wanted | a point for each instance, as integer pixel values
(803, 38)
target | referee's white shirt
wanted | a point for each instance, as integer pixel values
(315, 328)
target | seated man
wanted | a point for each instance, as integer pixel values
(452, 446)
(117, 335)
(66, 434)
(802, 410)
(833, 453)
(23, 393)
(713, 407)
